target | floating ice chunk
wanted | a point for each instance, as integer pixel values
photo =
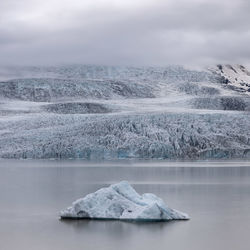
(120, 201)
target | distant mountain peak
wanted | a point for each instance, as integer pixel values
(236, 76)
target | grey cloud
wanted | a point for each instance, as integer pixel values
(159, 33)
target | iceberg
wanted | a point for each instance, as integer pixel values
(121, 202)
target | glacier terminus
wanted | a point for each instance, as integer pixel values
(103, 112)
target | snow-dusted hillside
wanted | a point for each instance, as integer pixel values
(235, 77)
(115, 112)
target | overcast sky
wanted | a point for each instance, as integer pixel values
(124, 32)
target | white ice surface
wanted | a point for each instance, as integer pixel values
(120, 201)
(164, 113)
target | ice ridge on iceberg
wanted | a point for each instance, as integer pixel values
(121, 202)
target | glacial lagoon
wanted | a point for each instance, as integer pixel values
(216, 194)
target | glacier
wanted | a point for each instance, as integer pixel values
(102, 112)
(121, 202)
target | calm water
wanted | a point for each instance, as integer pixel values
(215, 194)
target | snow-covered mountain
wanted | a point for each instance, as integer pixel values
(236, 77)
(101, 112)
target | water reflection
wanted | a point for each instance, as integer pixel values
(216, 198)
(120, 229)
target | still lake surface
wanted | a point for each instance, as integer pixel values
(215, 194)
